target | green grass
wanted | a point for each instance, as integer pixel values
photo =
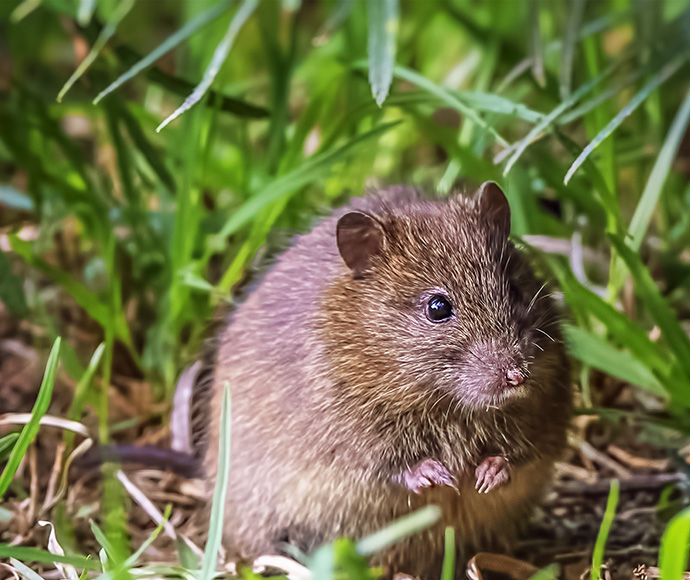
(212, 125)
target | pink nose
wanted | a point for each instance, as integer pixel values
(515, 377)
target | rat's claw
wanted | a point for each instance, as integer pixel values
(490, 473)
(427, 473)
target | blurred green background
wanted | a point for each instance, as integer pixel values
(117, 233)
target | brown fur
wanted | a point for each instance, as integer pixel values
(339, 384)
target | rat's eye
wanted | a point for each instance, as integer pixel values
(438, 308)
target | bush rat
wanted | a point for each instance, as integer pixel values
(401, 353)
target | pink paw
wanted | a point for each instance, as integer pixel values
(492, 472)
(427, 473)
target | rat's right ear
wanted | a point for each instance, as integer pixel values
(493, 203)
(360, 237)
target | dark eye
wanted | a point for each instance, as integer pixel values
(438, 308)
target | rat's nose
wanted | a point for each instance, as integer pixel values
(515, 377)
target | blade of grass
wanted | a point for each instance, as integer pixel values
(88, 300)
(24, 571)
(658, 307)
(28, 554)
(673, 554)
(657, 178)
(134, 558)
(448, 570)
(447, 97)
(536, 47)
(522, 145)
(219, 55)
(166, 46)
(23, 10)
(572, 31)
(310, 170)
(86, 10)
(605, 528)
(6, 444)
(11, 289)
(383, 29)
(147, 150)
(399, 529)
(550, 572)
(106, 34)
(621, 328)
(597, 353)
(81, 391)
(658, 79)
(215, 529)
(31, 428)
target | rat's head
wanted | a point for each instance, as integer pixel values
(437, 303)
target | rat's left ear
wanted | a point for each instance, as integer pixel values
(360, 237)
(494, 204)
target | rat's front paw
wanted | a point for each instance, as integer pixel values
(492, 472)
(427, 473)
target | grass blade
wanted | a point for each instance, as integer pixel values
(596, 352)
(28, 554)
(658, 79)
(448, 570)
(310, 170)
(399, 529)
(81, 391)
(108, 31)
(183, 33)
(86, 10)
(552, 116)
(383, 29)
(609, 514)
(447, 97)
(673, 555)
(661, 312)
(653, 188)
(11, 289)
(219, 56)
(572, 31)
(536, 45)
(215, 530)
(31, 428)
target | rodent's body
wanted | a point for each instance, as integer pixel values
(339, 385)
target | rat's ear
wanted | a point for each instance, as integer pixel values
(360, 237)
(494, 204)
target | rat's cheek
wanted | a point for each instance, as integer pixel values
(427, 473)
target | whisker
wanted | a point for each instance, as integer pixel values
(546, 334)
(534, 298)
